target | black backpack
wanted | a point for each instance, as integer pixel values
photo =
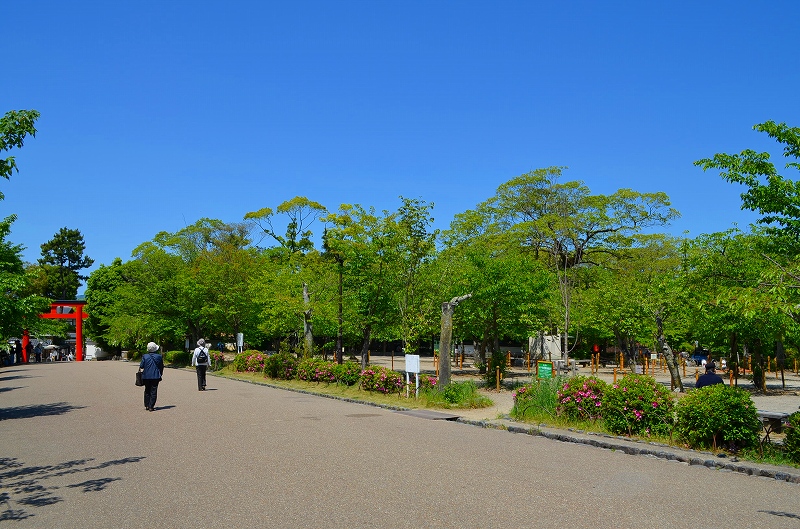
(202, 357)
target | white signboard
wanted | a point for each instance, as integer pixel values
(412, 363)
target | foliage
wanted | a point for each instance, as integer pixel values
(178, 358)
(217, 359)
(377, 378)
(282, 366)
(347, 373)
(775, 197)
(250, 361)
(15, 125)
(792, 441)
(427, 382)
(454, 395)
(316, 369)
(497, 360)
(718, 415)
(581, 398)
(62, 259)
(637, 404)
(537, 400)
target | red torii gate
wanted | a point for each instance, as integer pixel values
(69, 310)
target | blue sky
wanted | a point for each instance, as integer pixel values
(155, 114)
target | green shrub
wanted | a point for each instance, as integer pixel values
(792, 441)
(282, 366)
(637, 404)
(498, 359)
(713, 415)
(347, 373)
(178, 358)
(315, 369)
(377, 378)
(537, 400)
(456, 394)
(250, 361)
(427, 382)
(581, 398)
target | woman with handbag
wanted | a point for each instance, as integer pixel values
(152, 367)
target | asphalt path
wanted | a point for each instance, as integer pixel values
(78, 449)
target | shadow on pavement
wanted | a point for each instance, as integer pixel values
(26, 486)
(36, 410)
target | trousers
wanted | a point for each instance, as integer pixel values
(201, 377)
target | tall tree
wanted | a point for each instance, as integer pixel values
(63, 258)
(572, 227)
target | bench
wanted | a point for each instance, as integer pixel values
(771, 421)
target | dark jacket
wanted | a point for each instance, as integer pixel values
(709, 379)
(152, 366)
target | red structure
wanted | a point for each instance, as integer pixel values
(70, 310)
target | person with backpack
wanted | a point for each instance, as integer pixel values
(200, 363)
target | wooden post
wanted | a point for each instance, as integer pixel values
(615, 375)
(498, 377)
(696, 374)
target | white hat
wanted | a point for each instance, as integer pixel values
(152, 347)
(201, 342)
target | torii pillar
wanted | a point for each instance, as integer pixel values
(70, 310)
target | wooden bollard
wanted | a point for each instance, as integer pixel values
(730, 373)
(696, 374)
(615, 375)
(498, 378)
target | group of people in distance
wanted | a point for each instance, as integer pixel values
(152, 368)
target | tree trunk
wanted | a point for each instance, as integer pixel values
(448, 308)
(672, 365)
(339, 355)
(365, 346)
(308, 334)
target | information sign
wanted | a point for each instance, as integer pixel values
(544, 369)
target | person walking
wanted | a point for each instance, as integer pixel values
(200, 362)
(152, 367)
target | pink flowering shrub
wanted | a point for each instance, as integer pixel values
(638, 404)
(581, 398)
(376, 378)
(281, 366)
(427, 382)
(315, 370)
(347, 373)
(250, 361)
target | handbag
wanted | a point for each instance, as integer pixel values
(139, 379)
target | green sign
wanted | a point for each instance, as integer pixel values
(544, 369)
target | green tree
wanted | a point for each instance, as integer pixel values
(19, 307)
(62, 258)
(774, 196)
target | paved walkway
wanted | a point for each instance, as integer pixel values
(79, 450)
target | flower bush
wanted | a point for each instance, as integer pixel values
(581, 398)
(347, 373)
(718, 415)
(281, 366)
(217, 359)
(250, 360)
(376, 378)
(792, 441)
(637, 404)
(315, 370)
(427, 382)
(538, 400)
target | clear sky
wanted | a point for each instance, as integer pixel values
(158, 113)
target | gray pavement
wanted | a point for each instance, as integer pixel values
(79, 450)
